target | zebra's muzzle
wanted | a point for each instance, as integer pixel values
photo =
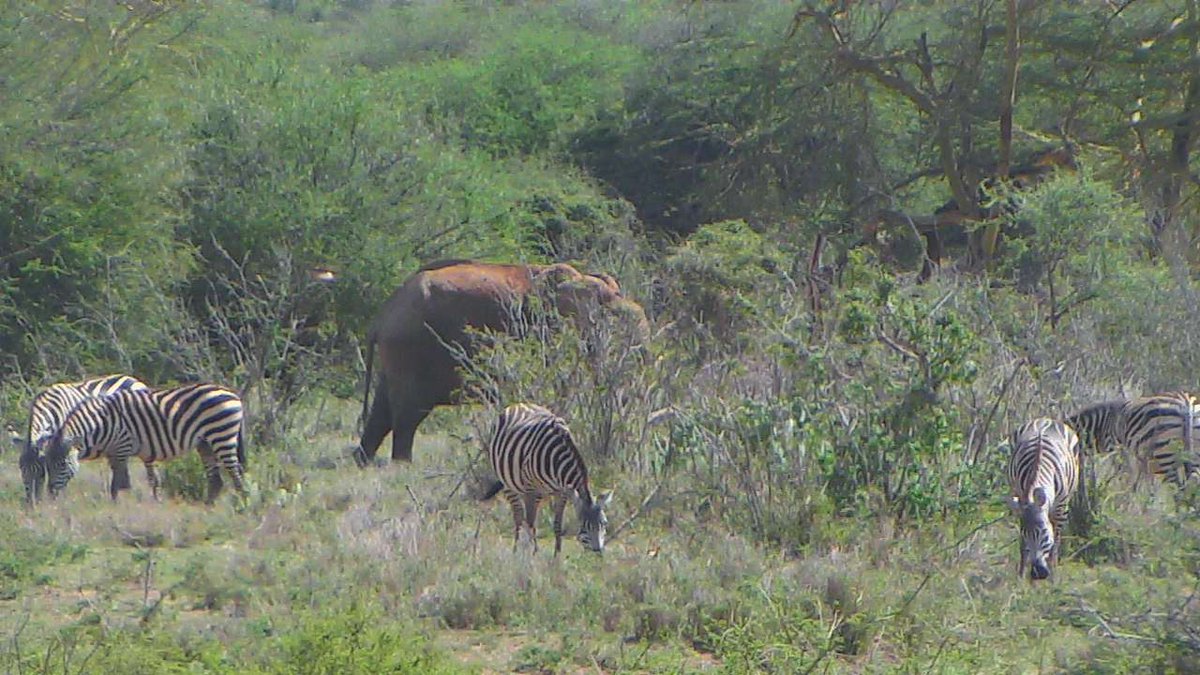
(1039, 571)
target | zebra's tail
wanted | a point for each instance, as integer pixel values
(1189, 421)
(492, 491)
(241, 449)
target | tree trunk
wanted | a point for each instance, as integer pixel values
(991, 233)
(1182, 138)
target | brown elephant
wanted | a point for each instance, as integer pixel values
(434, 308)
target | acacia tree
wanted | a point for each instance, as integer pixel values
(1124, 79)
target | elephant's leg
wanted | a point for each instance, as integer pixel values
(404, 428)
(377, 426)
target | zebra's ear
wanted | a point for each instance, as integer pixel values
(605, 499)
(1014, 504)
(1039, 497)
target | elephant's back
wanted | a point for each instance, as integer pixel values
(474, 278)
(449, 295)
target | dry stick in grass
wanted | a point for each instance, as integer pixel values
(1083, 606)
(637, 512)
(420, 508)
(987, 421)
(463, 476)
(649, 498)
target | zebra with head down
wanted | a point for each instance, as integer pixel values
(47, 412)
(535, 457)
(1043, 472)
(154, 427)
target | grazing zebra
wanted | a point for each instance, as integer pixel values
(1043, 471)
(46, 414)
(1149, 425)
(535, 457)
(154, 427)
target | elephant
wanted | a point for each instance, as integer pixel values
(433, 310)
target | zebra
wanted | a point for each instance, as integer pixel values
(1146, 427)
(1043, 472)
(46, 414)
(535, 457)
(154, 427)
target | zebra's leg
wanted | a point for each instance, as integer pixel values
(152, 478)
(212, 469)
(560, 504)
(120, 476)
(518, 511)
(531, 507)
(228, 457)
(1059, 523)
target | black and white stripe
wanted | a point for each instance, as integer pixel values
(1150, 425)
(46, 415)
(1043, 472)
(1147, 428)
(154, 427)
(1099, 425)
(535, 457)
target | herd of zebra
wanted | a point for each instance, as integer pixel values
(535, 457)
(118, 417)
(1043, 467)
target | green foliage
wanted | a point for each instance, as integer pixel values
(911, 351)
(26, 555)
(720, 275)
(727, 120)
(1079, 227)
(85, 239)
(527, 94)
(353, 641)
(184, 478)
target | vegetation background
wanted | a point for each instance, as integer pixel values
(873, 238)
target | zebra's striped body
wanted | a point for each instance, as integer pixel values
(1149, 425)
(46, 415)
(154, 427)
(535, 457)
(1043, 472)
(1099, 425)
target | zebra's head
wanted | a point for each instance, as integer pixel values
(61, 463)
(1037, 534)
(33, 470)
(593, 524)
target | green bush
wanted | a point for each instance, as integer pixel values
(528, 93)
(357, 639)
